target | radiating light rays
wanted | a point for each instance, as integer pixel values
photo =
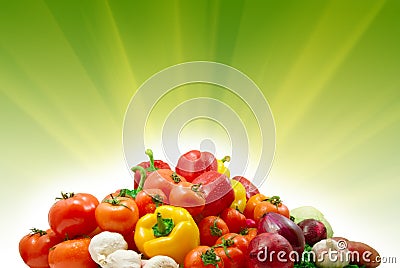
(58, 83)
(315, 67)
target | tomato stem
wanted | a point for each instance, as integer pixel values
(275, 200)
(65, 196)
(209, 257)
(214, 229)
(37, 231)
(175, 177)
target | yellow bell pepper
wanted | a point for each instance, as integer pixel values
(240, 196)
(169, 231)
(221, 166)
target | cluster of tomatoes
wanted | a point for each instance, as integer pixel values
(225, 212)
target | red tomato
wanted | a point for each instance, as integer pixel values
(252, 203)
(71, 253)
(211, 228)
(249, 233)
(273, 204)
(218, 192)
(148, 200)
(233, 240)
(203, 257)
(34, 247)
(164, 179)
(119, 214)
(231, 256)
(73, 215)
(130, 239)
(189, 196)
(194, 163)
(235, 220)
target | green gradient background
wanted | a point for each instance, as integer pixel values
(330, 71)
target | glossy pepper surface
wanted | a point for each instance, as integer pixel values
(240, 196)
(221, 166)
(169, 231)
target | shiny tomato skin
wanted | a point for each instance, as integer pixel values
(249, 233)
(148, 200)
(232, 257)
(211, 228)
(117, 215)
(193, 258)
(74, 215)
(164, 179)
(71, 254)
(34, 247)
(252, 203)
(236, 241)
(218, 192)
(188, 196)
(194, 163)
(266, 206)
(235, 220)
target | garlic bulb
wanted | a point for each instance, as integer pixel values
(330, 254)
(160, 262)
(123, 259)
(104, 244)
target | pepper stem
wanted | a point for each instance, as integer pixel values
(152, 168)
(163, 227)
(226, 158)
(143, 176)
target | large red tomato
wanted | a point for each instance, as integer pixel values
(73, 215)
(71, 254)
(118, 214)
(34, 247)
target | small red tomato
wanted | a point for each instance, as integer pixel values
(203, 257)
(231, 256)
(211, 228)
(148, 200)
(119, 214)
(273, 204)
(34, 247)
(249, 233)
(189, 196)
(71, 253)
(235, 220)
(233, 240)
(73, 215)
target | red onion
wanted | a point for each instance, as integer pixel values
(276, 223)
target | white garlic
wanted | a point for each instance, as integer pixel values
(123, 259)
(329, 254)
(104, 244)
(161, 262)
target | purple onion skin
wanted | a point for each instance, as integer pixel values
(276, 223)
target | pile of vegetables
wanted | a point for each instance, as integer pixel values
(190, 216)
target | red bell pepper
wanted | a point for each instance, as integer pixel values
(194, 163)
(150, 166)
(218, 192)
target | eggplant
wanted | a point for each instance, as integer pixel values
(275, 223)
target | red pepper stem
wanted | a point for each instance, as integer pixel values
(149, 152)
(143, 176)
